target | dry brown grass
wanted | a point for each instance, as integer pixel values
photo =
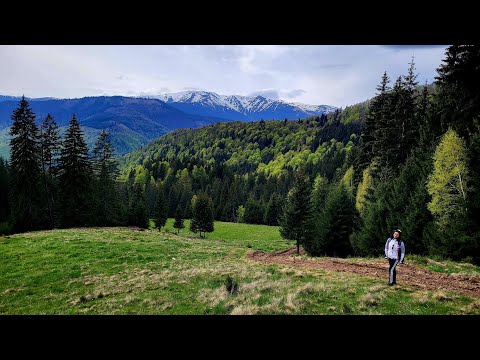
(12, 291)
(376, 288)
(422, 297)
(278, 296)
(291, 303)
(213, 296)
(472, 308)
(441, 296)
(249, 309)
(369, 299)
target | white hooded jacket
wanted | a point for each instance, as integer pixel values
(395, 249)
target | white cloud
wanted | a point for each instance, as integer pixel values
(267, 93)
(335, 75)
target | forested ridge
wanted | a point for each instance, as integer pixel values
(242, 164)
(337, 184)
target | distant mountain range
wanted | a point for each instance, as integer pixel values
(133, 122)
(236, 107)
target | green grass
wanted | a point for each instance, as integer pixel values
(260, 237)
(128, 271)
(445, 266)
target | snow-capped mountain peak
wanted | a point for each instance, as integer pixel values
(238, 107)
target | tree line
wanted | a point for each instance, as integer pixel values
(246, 169)
(417, 168)
(52, 182)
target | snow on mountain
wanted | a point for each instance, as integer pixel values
(315, 108)
(237, 107)
(18, 98)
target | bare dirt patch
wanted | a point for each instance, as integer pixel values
(406, 273)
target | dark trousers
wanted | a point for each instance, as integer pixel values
(392, 271)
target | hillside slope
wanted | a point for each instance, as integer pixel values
(131, 121)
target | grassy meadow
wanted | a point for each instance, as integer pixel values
(131, 271)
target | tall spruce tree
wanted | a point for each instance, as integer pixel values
(370, 238)
(4, 191)
(254, 212)
(406, 113)
(272, 210)
(424, 119)
(161, 208)
(319, 195)
(458, 97)
(25, 167)
(178, 224)
(202, 214)
(412, 194)
(50, 150)
(457, 106)
(137, 208)
(107, 201)
(51, 144)
(375, 120)
(75, 179)
(337, 223)
(296, 222)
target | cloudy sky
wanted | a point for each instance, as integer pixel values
(335, 75)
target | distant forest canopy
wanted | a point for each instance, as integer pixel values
(243, 164)
(409, 158)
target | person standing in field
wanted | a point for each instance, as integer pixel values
(395, 253)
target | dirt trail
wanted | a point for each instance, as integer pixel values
(406, 273)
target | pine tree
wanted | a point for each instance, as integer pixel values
(254, 212)
(272, 211)
(319, 195)
(25, 167)
(458, 99)
(51, 144)
(370, 238)
(375, 120)
(457, 105)
(387, 137)
(296, 222)
(406, 115)
(150, 194)
(50, 150)
(337, 223)
(424, 119)
(4, 191)
(106, 172)
(473, 197)
(178, 224)
(202, 214)
(75, 179)
(161, 209)
(137, 210)
(412, 194)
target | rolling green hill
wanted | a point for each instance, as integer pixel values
(128, 271)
